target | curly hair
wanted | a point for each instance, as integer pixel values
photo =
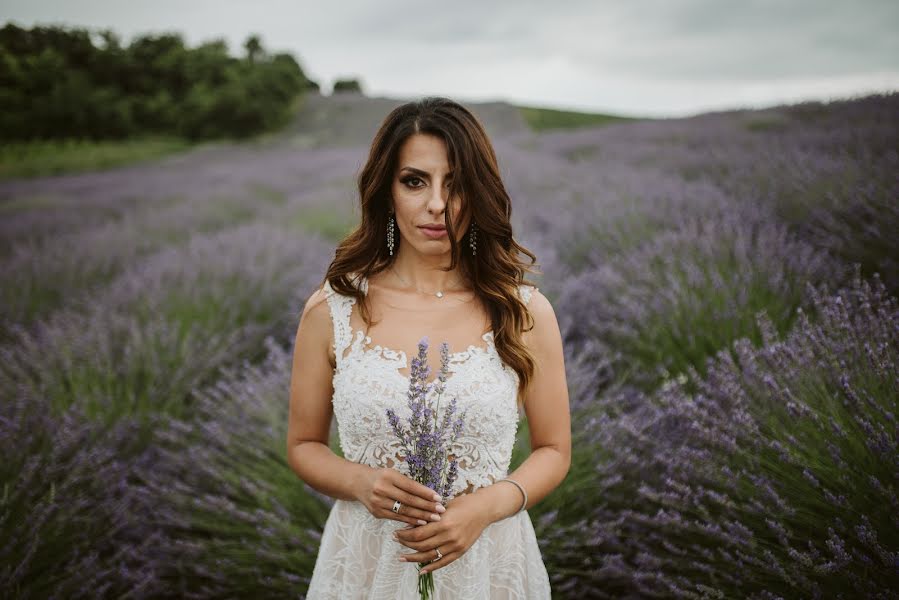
(497, 270)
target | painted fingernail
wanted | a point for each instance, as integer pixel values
(435, 517)
(401, 559)
(437, 498)
(420, 522)
(441, 508)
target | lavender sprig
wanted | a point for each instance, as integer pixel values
(427, 438)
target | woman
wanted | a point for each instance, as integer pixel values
(433, 256)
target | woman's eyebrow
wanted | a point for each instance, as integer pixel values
(420, 172)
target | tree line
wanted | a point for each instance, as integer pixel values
(58, 82)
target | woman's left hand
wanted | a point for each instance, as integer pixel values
(458, 528)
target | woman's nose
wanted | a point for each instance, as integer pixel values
(437, 200)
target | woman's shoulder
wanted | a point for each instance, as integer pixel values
(327, 291)
(317, 302)
(545, 333)
(322, 299)
(537, 304)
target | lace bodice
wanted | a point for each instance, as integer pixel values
(367, 381)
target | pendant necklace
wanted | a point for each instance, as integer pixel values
(438, 293)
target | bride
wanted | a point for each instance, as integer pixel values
(433, 255)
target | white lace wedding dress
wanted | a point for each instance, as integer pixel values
(357, 554)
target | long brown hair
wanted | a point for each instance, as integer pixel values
(495, 272)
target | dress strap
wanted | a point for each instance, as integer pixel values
(341, 308)
(525, 291)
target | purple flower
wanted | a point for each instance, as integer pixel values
(427, 438)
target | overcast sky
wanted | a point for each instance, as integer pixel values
(633, 57)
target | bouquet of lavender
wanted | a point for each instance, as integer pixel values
(424, 440)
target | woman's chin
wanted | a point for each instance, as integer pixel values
(434, 248)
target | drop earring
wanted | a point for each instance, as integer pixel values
(390, 224)
(473, 239)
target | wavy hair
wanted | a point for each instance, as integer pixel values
(495, 272)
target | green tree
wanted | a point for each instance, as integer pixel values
(253, 46)
(57, 83)
(347, 85)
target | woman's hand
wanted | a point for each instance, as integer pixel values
(381, 487)
(458, 529)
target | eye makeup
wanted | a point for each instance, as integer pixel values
(424, 174)
(407, 178)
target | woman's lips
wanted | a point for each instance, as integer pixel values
(434, 232)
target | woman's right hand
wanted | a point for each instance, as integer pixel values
(381, 487)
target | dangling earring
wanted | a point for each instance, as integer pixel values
(473, 239)
(390, 223)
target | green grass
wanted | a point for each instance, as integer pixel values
(54, 157)
(541, 119)
(24, 203)
(766, 122)
(696, 326)
(330, 223)
(268, 194)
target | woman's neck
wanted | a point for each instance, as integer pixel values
(427, 277)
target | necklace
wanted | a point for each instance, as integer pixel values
(438, 293)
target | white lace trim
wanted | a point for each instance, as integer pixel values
(367, 381)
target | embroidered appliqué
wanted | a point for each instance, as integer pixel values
(367, 381)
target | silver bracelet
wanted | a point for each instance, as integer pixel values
(525, 502)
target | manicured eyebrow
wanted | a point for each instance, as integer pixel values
(420, 172)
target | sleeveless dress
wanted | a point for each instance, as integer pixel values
(357, 552)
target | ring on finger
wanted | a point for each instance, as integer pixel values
(396, 507)
(439, 555)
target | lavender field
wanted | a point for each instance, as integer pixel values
(726, 286)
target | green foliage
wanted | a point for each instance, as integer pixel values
(38, 158)
(331, 224)
(545, 118)
(55, 84)
(347, 85)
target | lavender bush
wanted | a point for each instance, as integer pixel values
(168, 508)
(46, 273)
(232, 518)
(733, 419)
(50, 269)
(776, 479)
(71, 522)
(689, 292)
(811, 164)
(168, 324)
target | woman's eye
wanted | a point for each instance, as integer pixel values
(408, 180)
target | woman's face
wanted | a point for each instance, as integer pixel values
(420, 191)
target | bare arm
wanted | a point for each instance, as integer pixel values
(549, 420)
(308, 453)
